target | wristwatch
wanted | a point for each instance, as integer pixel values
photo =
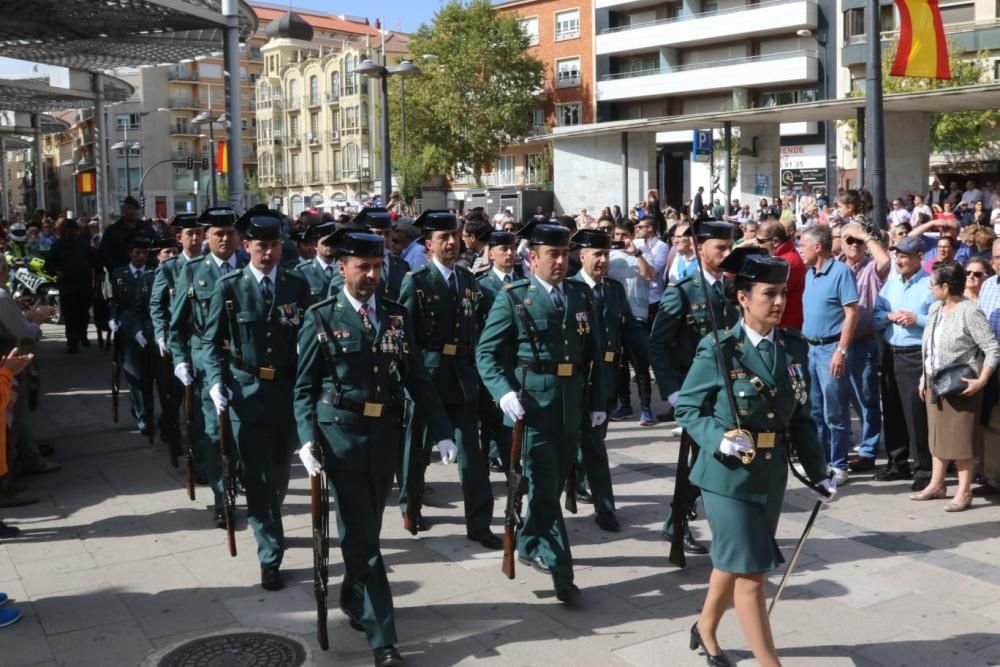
(843, 351)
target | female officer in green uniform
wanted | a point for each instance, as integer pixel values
(743, 481)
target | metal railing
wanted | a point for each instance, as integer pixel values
(174, 75)
(949, 29)
(708, 65)
(698, 15)
(183, 129)
(184, 102)
(333, 136)
(332, 96)
(314, 100)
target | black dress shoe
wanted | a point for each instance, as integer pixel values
(920, 483)
(691, 546)
(861, 464)
(387, 656)
(891, 474)
(487, 539)
(608, 522)
(219, 519)
(352, 620)
(85, 342)
(719, 660)
(270, 579)
(422, 524)
(583, 496)
(536, 563)
(46, 450)
(496, 465)
(567, 593)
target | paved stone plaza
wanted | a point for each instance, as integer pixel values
(115, 564)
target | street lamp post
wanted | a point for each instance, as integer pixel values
(205, 117)
(874, 121)
(381, 72)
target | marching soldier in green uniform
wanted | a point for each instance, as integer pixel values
(322, 268)
(394, 269)
(447, 306)
(252, 332)
(356, 356)
(189, 235)
(540, 357)
(743, 469)
(681, 322)
(130, 315)
(188, 342)
(613, 320)
(500, 272)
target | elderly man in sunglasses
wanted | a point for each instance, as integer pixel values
(868, 258)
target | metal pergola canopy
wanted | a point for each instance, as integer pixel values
(34, 95)
(49, 125)
(15, 144)
(104, 34)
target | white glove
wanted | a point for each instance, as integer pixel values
(220, 398)
(672, 399)
(113, 326)
(312, 466)
(164, 350)
(182, 372)
(597, 418)
(831, 486)
(736, 446)
(448, 451)
(511, 406)
(140, 339)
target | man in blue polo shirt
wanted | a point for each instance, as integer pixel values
(830, 313)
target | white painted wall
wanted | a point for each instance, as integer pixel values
(907, 147)
(588, 174)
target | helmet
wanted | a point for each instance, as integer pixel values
(19, 232)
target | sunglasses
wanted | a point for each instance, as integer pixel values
(763, 241)
(977, 274)
(850, 240)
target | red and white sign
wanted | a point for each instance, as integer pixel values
(802, 156)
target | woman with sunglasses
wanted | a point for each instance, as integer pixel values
(976, 272)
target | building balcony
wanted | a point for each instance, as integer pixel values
(272, 180)
(184, 131)
(187, 75)
(314, 138)
(294, 180)
(333, 136)
(294, 104)
(971, 37)
(315, 101)
(270, 140)
(294, 142)
(777, 69)
(318, 177)
(182, 156)
(772, 17)
(184, 103)
(332, 98)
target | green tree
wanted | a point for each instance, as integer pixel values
(472, 100)
(953, 131)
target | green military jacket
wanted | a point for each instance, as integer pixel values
(614, 326)
(252, 345)
(189, 313)
(553, 403)
(388, 288)
(315, 275)
(162, 297)
(682, 320)
(130, 307)
(446, 329)
(491, 285)
(362, 369)
(703, 411)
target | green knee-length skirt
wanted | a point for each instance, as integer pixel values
(743, 533)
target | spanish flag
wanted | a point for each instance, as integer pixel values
(85, 182)
(922, 50)
(221, 158)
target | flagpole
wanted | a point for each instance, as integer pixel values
(874, 120)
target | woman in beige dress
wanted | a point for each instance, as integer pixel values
(956, 333)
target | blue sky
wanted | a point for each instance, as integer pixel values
(404, 15)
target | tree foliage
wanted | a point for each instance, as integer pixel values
(953, 131)
(472, 100)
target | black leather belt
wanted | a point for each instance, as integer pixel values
(262, 372)
(904, 348)
(823, 341)
(550, 367)
(364, 408)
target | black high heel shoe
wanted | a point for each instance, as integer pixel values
(713, 660)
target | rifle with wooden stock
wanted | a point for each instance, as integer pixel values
(189, 433)
(167, 374)
(228, 480)
(516, 487)
(116, 374)
(320, 506)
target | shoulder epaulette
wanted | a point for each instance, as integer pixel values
(328, 301)
(232, 275)
(523, 282)
(389, 303)
(791, 333)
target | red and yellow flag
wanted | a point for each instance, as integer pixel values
(85, 183)
(221, 158)
(923, 50)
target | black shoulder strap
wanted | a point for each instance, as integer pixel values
(529, 327)
(231, 317)
(323, 340)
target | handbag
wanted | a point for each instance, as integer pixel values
(947, 380)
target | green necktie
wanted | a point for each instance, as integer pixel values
(766, 351)
(265, 288)
(557, 299)
(599, 294)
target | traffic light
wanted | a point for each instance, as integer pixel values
(204, 163)
(190, 162)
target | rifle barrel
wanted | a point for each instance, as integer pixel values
(514, 488)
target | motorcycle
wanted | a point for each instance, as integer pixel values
(31, 286)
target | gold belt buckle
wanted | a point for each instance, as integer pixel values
(609, 357)
(267, 373)
(373, 409)
(449, 349)
(564, 370)
(765, 440)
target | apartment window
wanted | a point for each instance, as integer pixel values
(335, 84)
(314, 164)
(295, 168)
(854, 21)
(294, 127)
(314, 90)
(567, 24)
(538, 116)
(779, 98)
(532, 165)
(568, 72)
(183, 180)
(210, 70)
(338, 165)
(127, 120)
(569, 114)
(314, 124)
(957, 12)
(504, 169)
(293, 93)
(133, 151)
(352, 160)
(530, 28)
